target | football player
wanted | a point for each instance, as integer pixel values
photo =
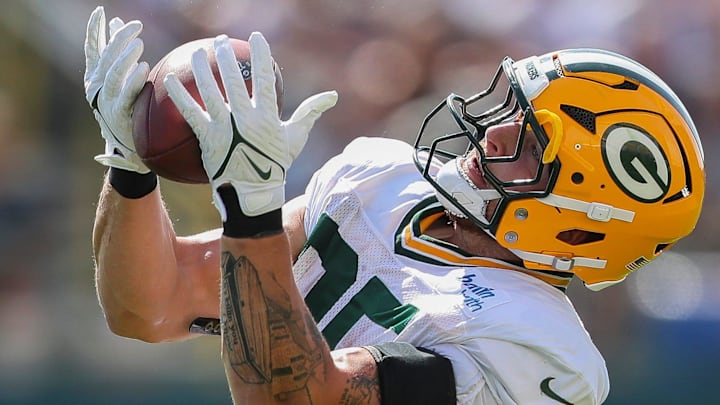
(429, 273)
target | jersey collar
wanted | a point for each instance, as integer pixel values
(412, 242)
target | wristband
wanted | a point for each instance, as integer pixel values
(132, 184)
(239, 225)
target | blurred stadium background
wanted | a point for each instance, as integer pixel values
(391, 61)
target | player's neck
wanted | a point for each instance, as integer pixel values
(468, 237)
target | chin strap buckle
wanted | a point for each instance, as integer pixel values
(563, 264)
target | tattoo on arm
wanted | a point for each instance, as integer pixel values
(359, 389)
(266, 340)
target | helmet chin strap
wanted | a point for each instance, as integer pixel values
(455, 182)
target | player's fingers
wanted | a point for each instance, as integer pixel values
(118, 43)
(94, 41)
(121, 67)
(134, 83)
(188, 107)
(115, 24)
(207, 85)
(263, 74)
(232, 78)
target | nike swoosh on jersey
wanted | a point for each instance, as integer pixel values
(264, 174)
(545, 388)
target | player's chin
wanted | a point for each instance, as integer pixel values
(490, 209)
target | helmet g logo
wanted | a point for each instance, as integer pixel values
(636, 162)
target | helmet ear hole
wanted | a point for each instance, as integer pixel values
(577, 178)
(577, 237)
(662, 247)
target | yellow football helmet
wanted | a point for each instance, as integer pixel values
(621, 176)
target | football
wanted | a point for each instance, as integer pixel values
(163, 139)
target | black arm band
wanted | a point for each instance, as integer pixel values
(413, 375)
(131, 184)
(239, 225)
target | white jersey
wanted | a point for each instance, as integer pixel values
(369, 275)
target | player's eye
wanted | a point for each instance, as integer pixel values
(535, 152)
(531, 145)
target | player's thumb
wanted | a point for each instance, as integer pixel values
(310, 110)
(302, 120)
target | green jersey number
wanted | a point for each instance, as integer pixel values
(373, 300)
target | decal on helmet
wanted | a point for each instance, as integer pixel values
(636, 162)
(637, 264)
(532, 70)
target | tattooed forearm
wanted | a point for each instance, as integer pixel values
(266, 340)
(247, 347)
(360, 389)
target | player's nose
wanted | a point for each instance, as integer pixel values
(502, 139)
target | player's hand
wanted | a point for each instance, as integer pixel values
(113, 80)
(243, 141)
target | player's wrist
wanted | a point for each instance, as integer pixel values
(237, 224)
(130, 184)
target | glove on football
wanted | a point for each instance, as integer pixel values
(113, 80)
(243, 141)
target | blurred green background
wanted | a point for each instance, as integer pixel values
(391, 61)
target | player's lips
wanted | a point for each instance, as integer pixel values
(474, 172)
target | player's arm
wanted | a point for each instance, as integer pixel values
(272, 349)
(133, 240)
(152, 284)
(149, 282)
(274, 353)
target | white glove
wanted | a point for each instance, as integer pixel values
(244, 143)
(113, 80)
